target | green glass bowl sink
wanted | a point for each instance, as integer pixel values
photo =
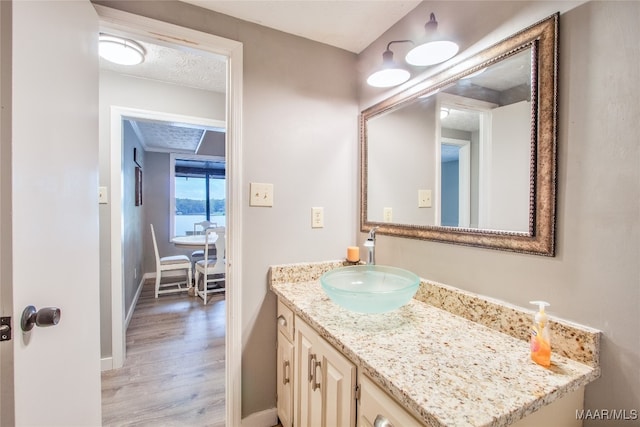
(370, 288)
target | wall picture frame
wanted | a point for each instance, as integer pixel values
(138, 183)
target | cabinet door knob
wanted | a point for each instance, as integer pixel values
(382, 421)
(282, 321)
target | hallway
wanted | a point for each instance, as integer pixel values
(174, 374)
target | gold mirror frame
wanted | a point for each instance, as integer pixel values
(542, 39)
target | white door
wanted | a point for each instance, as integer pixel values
(54, 205)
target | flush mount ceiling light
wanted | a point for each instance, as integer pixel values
(390, 74)
(434, 50)
(120, 51)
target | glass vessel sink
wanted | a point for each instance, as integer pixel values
(370, 288)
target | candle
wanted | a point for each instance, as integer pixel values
(353, 254)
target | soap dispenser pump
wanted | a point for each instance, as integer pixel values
(540, 336)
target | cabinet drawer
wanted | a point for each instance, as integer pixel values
(285, 320)
(375, 402)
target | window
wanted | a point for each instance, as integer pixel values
(199, 192)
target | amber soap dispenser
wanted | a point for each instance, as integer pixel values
(540, 336)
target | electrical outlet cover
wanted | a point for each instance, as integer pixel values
(317, 217)
(387, 214)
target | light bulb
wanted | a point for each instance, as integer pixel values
(388, 77)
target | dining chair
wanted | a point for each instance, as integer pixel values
(170, 263)
(212, 270)
(200, 228)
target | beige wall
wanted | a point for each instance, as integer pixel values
(299, 133)
(594, 277)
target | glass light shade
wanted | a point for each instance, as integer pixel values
(120, 51)
(388, 77)
(431, 53)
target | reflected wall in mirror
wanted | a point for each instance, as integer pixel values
(469, 156)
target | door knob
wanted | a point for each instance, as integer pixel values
(47, 316)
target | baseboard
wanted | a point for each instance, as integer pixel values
(127, 319)
(106, 364)
(266, 418)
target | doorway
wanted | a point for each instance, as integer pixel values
(147, 29)
(455, 182)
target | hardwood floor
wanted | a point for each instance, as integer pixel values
(174, 371)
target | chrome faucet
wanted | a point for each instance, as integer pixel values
(370, 243)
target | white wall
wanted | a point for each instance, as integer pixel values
(594, 277)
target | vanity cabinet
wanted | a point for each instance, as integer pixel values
(318, 386)
(375, 404)
(325, 382)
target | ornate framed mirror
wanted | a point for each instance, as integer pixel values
(468, 156)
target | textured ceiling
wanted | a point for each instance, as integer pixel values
(183, 68)
(200, 70)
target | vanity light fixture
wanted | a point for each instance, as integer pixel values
(120, 51)
(434, 50)
(390, 73)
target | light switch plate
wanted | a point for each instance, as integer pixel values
(261, 194)
(424, 198)
(103, 195)
(317, 217)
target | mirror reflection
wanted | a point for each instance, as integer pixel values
(459, 157)
(468, 156)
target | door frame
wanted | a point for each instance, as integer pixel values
(119, 317)
(136, 25)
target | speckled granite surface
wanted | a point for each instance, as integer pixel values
(445, 369)
(576, 342)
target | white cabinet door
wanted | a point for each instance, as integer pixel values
(324, 380)
(285, 380)
(337, 386)
(308, 402)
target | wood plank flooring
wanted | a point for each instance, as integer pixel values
(174, 374)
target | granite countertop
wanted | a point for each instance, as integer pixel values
(444, 369)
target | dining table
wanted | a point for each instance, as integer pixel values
(194, 241)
